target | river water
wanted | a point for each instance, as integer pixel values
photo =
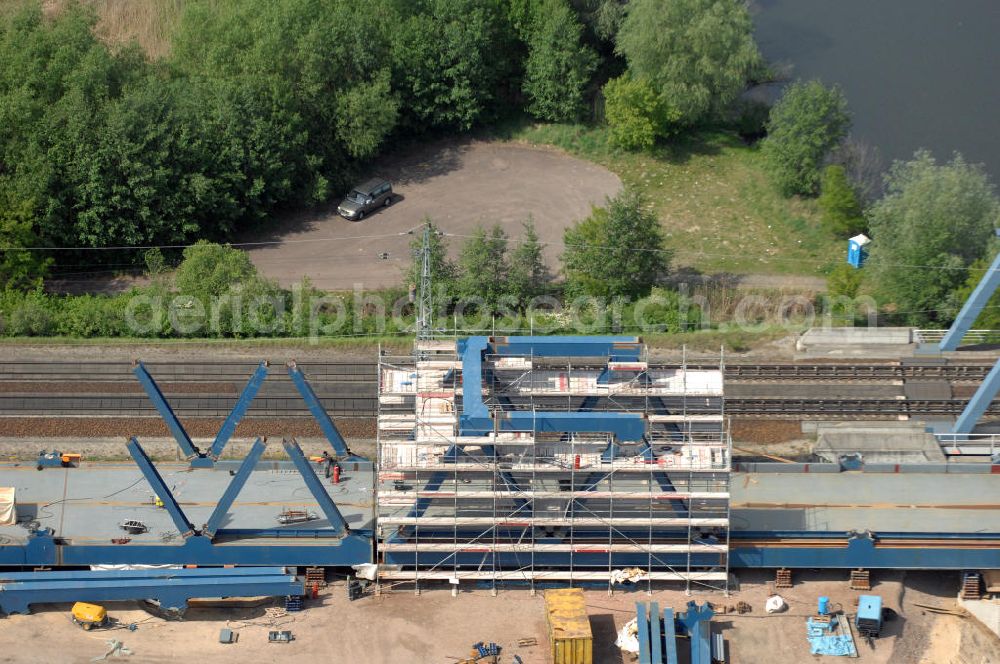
(916, 73)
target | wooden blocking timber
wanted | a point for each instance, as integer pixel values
(860, 580)
(783, 578)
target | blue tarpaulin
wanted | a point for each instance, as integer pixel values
(824, 640)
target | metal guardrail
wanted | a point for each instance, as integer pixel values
(969, 444)
(971, 337)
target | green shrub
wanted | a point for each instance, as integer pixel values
(805, 125)
(838, 203)
(634, 113)
(31, 317)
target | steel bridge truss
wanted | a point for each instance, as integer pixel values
(479, 484)
(207, 458)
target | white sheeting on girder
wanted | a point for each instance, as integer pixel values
(131, 568)
(8, 509)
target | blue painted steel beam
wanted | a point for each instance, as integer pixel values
(326, 504)
(160, 488)
(972, 308)
(697, 622)
(319, 412)
(619, 348)
(475, 419)
(238, 411)
(166, 412)
(669, 637)
(326, 551)
(678, 504)
(655, 639)
(234, 488)
(642, 624)
(172, 588)
(421, 504)
(979, 402)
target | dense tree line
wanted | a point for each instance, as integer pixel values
(260, 105)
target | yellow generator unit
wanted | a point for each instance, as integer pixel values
(89, 616)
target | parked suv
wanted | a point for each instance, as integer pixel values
(365, 198)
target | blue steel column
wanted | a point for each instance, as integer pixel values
(973, 307)
(642, 624)
(239, 410)
(979, 402)
(316, 487)
(318, 411)
(160, 488)
(166, 412)
(234, 488)
(655, 640)
(669, 636)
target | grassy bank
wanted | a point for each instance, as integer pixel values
(707, 341)
(719, 209)
(149, 23)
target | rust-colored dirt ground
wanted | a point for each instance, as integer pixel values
(458, 184)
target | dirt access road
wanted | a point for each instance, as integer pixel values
(436, 628)
(458, 184)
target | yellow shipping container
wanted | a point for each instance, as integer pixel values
(569, 627)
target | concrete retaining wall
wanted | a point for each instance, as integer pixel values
(847, 336)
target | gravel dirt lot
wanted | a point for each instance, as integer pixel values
(460, 185)
(436, 628)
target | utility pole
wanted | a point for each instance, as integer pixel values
(424, 300)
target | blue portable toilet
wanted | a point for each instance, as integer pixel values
(856, 251)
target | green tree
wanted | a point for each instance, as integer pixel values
(635, 115)
(934, 221)
(618, 250)
(989, 318)
(559, 66)
(807, 123)
(366, 113)
(696, 54)
(528, 275)
(20, 268)
(844, 280)
(484, 268)
(838, 203)
(213, 269)
(449, 60)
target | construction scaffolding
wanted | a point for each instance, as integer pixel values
(527, 459)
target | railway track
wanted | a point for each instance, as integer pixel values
(31, 405)
(222, 371)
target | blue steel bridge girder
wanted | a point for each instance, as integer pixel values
(160, 488)
(973, 307)
(192, 453)
(235, 486)
(238, 412)
(507, 477)
(979, 402)
(319, 413)
(315, 486)
(161, 404)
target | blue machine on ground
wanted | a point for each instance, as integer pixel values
(869, 618)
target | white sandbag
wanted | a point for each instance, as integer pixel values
(628, 637)
(775, 604)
